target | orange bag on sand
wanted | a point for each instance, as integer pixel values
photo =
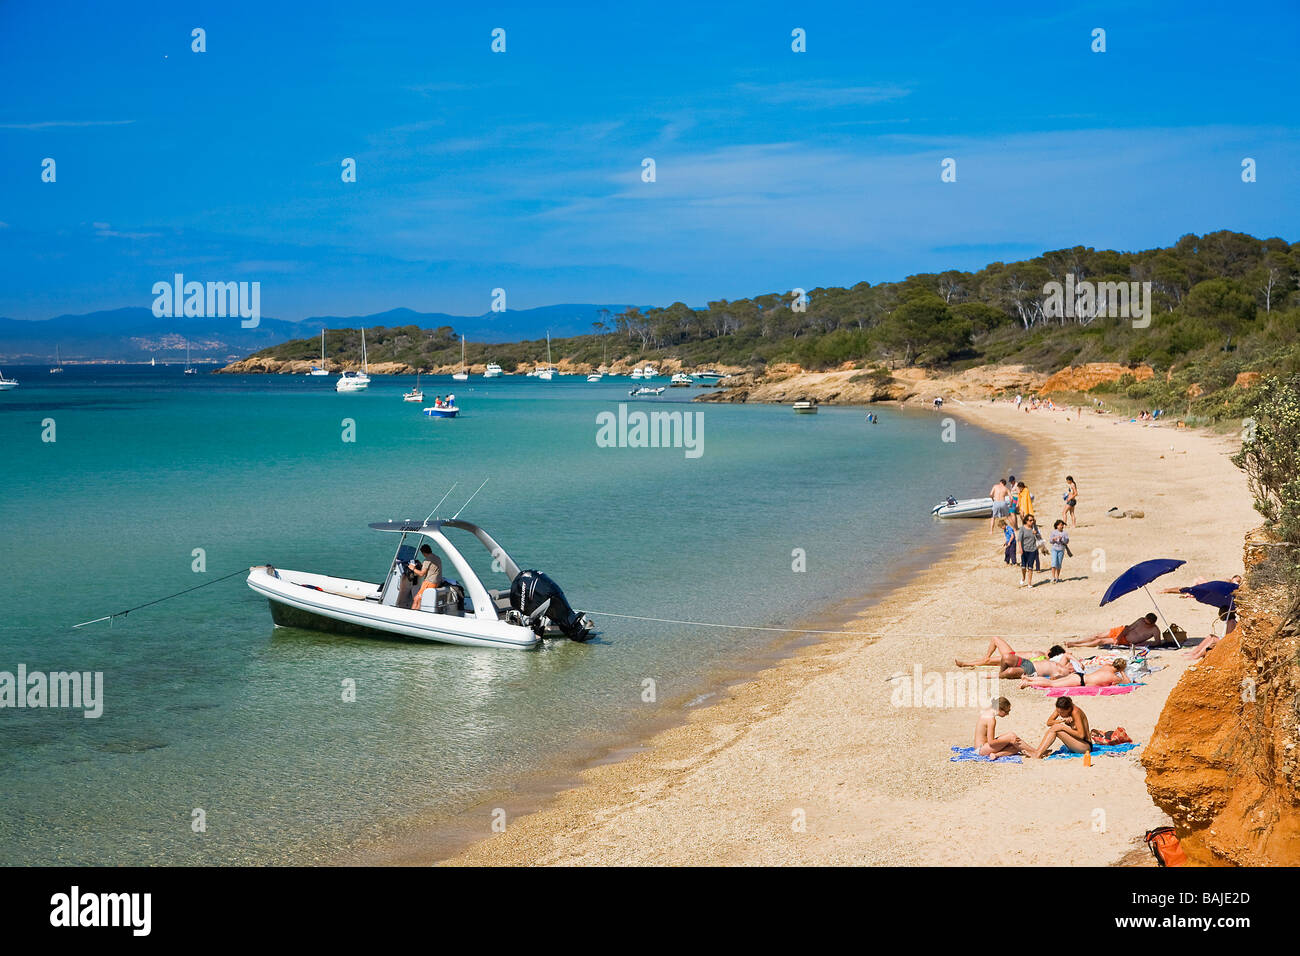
(1111, 737)
(1164, 846)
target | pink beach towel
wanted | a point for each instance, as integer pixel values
(1091, 691)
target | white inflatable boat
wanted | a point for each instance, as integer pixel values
(965, 508)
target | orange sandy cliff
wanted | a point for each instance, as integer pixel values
(1084, 378)
(1224, 765)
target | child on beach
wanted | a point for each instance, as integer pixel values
(1071, 498)
(988, 743)
(1008, 541)
(1060, 541)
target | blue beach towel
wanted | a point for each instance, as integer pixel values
(963, 754)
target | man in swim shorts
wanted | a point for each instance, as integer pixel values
(1141, 631)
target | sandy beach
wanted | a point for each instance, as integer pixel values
(812, 761)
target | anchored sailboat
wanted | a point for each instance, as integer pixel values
(320, 369)
(462, 375)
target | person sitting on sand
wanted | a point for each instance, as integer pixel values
(1068, 725)
(1139, 632)
(1109, 673)
(988, 743)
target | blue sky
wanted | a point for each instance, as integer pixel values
(522, 170)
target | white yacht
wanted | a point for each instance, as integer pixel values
(460, 610)
(57, 368)
(355, 381)
(7, 383)
(189, 369)
(493, 370)
(681, 380)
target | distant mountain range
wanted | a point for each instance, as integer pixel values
(135, 335)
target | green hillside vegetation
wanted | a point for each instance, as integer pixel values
(1222, 304)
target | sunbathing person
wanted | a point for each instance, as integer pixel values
(1139, 632)
(1235, 579)
(1059, 663)
(988, 743)
(1001, 654)
(1110, 672)
(1067, 725)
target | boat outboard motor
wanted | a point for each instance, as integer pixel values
(533, 591)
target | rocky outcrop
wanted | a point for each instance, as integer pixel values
(1223, 759)
(1084, 378)
(1246, 379)
(856, 386)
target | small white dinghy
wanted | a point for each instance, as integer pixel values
(460, 611)
(965, 508)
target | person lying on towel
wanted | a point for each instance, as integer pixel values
(1139, 632)
(1067, 725)
(1109, 673)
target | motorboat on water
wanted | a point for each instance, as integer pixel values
(493, 370)
(805, 408)
(456, 611)
(443, 408)
(645, 390)
(355, 381)
(7, 383)
(462, 375)
(964, 508)
(709, 376)
(681, 380)
(416, 394)
(595, 377)
(638, 372)
(319, 370)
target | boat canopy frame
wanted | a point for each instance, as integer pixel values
(484, 607)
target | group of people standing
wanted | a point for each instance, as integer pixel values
(1013, 512)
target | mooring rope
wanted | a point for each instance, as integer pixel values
(205, 584)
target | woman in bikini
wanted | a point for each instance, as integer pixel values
(1109, 673)
(1068, 725)
(1071, 499)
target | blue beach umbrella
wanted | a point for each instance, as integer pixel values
(1214, 593)
(1139, 576)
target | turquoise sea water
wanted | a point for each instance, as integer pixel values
(207, 705)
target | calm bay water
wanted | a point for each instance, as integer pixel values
(208, 706)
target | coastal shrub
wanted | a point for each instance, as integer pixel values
(1270, 454)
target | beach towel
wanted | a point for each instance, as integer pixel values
(1098, 750)
(1092, 691)
(964, 754)
(961, 754)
